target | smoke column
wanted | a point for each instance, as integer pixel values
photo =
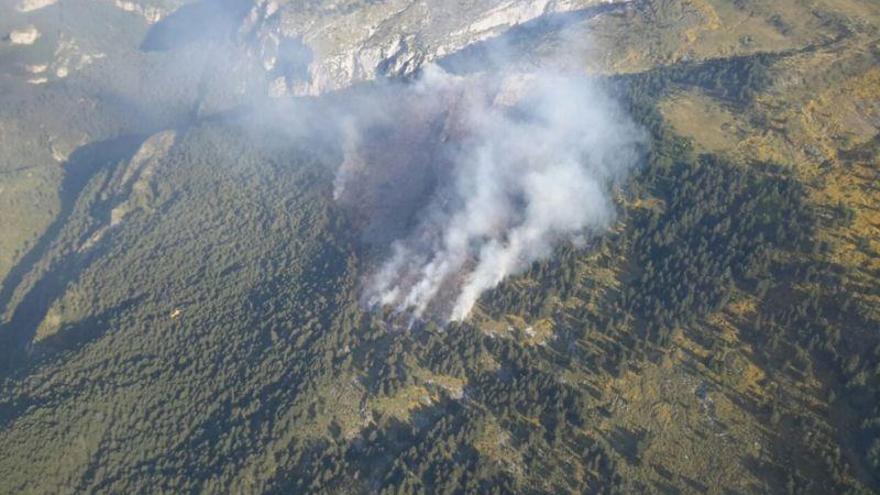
(525, 161)
(460, 180)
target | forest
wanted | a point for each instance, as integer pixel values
(215, 340)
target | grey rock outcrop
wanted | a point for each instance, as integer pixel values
(317, 46)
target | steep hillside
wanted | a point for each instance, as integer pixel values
(182, 297)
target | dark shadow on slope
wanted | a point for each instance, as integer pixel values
(294, 57)
(204, 20)
(629, 444)
(69, 338)
(32, 308)
(73, 336)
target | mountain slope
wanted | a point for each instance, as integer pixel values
(183, 296)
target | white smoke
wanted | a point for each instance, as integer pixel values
(526, 161)
(463, 179)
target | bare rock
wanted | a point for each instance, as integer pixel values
(349, 41)
(32, 5)
(24, 36)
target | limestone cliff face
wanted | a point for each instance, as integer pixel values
(305, 47)
(315, 47)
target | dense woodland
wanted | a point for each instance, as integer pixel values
(248, 386)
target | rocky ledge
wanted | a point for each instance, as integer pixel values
(318, 46)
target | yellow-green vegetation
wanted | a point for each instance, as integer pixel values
(664, 32)
(403, 402)
(819, 119)
(515, 327)
(713, 127)
(495, 443)
(688, 429)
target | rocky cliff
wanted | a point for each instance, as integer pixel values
(314, 47)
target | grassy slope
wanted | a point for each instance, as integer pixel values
(819, 118)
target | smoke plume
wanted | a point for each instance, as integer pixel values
(474, 177)
(457, 179)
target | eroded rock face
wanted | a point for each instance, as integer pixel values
(290, 47)
(357, 40)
